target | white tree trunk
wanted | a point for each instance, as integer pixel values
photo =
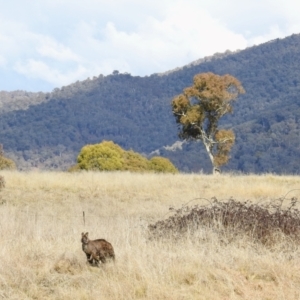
(215, 170)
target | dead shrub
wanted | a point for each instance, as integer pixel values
(261, 223)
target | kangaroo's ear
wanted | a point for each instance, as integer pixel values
(87, 234)
(82, 234)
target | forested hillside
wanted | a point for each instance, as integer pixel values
(48, 130)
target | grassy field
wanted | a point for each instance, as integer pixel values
(41, 221)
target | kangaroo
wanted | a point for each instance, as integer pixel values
(96, 250)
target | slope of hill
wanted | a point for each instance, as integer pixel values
(135, 112)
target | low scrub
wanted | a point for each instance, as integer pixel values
(6, 163)
(233, 219)
(108, 156)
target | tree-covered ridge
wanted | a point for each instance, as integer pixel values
(19, 100)
(117, 108)
(135, 112)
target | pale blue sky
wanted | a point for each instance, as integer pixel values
(46, 44)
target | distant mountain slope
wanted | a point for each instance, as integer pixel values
(135, 112)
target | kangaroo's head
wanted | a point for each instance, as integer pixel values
(84, 238)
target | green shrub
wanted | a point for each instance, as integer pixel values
(74, 168)
(135, 162)
(108, 156)
(162, 165)
(6, 163)
(105, 156)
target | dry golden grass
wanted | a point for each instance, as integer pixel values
(42, 220)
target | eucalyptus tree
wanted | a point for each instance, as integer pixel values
(198, 111)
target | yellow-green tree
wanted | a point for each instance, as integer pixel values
(198, 111)
(162, 165)
(108, 156)
(105, 156)
(135, 162)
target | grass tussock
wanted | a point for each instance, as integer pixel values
(41, 221)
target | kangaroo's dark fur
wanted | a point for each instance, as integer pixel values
(97, 250)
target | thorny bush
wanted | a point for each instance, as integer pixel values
(261, 223)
